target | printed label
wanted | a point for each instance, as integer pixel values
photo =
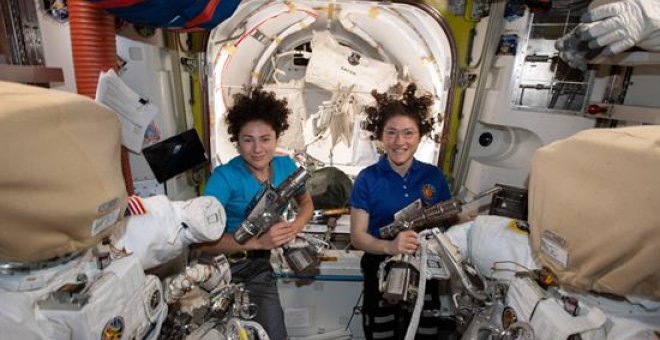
(108, 206)
(298, 259)
(396, 282)
(297, 317)
(104, 222)
(553, 247)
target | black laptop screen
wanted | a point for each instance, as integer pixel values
(175, 155)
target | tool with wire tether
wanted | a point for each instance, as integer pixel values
(416, 217)
(442, 258)
(403, 278)
(303, 254)
(265, 210)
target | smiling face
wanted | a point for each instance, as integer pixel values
(400, 139)
(257, 141)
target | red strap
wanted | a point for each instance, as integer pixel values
(205, 15)
(116, 3)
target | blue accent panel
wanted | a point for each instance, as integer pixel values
(349, 278)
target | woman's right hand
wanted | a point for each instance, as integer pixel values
(404, 243)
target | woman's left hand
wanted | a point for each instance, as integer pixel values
(279, 234)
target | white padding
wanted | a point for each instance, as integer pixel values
(494, 246)
(333, 66)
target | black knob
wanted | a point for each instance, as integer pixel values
(485, 139)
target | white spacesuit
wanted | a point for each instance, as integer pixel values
(500, 250)
(99, 293)
(583, 237)
(72, 256)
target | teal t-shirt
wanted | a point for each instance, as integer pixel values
(234, 185)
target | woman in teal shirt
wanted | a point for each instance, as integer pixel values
(255, 122)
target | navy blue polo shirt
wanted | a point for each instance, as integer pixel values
(381, 191)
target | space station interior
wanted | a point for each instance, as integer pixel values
(546, 126)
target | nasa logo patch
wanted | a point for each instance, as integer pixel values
(113, 329)
(428, 191)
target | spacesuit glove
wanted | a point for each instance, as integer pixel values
(573, 51)
(621, 25)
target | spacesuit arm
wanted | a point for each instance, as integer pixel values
(621, 25)
(613, 27)
(163, 229)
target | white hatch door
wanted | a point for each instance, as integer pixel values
(325, 58)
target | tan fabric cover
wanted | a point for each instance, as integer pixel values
(60, 172)
(599, 192)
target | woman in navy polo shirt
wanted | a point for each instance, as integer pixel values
(255, 121)
(384, 188)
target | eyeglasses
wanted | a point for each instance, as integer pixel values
(406, 134)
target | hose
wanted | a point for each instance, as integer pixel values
(93, 44)
(94, 50)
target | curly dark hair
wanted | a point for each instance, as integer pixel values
(395, 103)
(257, 104)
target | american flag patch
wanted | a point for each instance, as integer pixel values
(135, 206)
